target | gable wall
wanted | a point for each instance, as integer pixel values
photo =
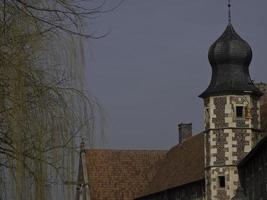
(193, 191)
(253, 175)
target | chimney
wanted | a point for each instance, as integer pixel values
(185, 131)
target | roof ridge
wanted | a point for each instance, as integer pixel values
(187, 140)
(141, 150)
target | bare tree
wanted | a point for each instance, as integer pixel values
(44, 107)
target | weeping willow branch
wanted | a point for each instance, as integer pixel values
(63, 15)
(44, 108)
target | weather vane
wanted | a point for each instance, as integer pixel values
(229, 11)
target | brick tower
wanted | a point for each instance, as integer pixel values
(232, 114)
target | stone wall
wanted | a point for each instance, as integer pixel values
(228, 139)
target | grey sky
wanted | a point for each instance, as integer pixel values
(149, 71)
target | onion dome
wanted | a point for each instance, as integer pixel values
(230, 57)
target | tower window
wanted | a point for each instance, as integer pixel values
(239, 111)
(221, 180)
(207, 114)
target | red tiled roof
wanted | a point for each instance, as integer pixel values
(183, 164)
(120, 174)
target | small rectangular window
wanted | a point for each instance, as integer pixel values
(207, 114)
(221, 180)
(239, 111)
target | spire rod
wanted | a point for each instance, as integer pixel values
(82, 145)
(229, 12)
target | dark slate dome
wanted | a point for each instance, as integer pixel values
(230, 57)
(230, 48)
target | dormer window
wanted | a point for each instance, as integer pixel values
(239, 110)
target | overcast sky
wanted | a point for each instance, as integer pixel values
(149, 71)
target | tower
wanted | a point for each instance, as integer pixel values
(232, 113)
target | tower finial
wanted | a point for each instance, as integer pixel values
(229, 12)
(82, 145)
